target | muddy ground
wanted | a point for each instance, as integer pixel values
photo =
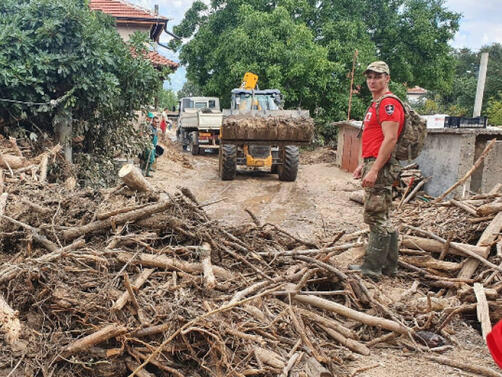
(315, 206)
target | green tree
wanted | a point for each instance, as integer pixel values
(167, 98)
(305, 48)
(494, 110)
(61, 53)
(190, 89)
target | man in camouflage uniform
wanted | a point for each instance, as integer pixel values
(382, 126)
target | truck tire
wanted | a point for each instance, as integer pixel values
(290, 156)
(228, 166)
(194, 145)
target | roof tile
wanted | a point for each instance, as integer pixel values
(121, 8)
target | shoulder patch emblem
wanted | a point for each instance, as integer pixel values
(389, 109)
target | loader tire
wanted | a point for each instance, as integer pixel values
(194, 145)
(228, 157)
(288, 170)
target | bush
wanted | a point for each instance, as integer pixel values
(62, 54)
(494, 111)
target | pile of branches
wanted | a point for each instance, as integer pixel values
(120, 282)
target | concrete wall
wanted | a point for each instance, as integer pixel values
(445, 158)
(492, 169)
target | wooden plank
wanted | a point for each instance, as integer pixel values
(482, 309)
(486, 240)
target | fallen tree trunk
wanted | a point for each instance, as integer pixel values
(434, 246)
(351, 344)
(134, 179)
(207, 267)
(75, 232)
(490, 208)
(162, 261)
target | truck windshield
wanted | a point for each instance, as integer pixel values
(200, 105)
(245, 102)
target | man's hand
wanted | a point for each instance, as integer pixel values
(357, 173)
(370, 178)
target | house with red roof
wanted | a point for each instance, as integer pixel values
(416, 94)
(130, 18)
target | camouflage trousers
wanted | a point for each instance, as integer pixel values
(378, 199)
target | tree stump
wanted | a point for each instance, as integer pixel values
(133, 178)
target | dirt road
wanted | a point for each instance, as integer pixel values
(316, 205)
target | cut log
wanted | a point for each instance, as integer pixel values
(108, 332)
(314, 369)
(486, 240)
(490, 208)
(162, 261)
(351, 344)
(434, 246)
(101, 225)
(482, 309)
(134, 179)
(350, 313)
(9, 323)
(12, 162)
(207, 267)
(140, 280)
(464, 206)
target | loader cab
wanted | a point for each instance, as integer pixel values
(261, 100)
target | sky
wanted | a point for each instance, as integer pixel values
(480, 25)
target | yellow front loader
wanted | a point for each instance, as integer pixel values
(258, 134)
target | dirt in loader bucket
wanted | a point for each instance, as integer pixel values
(280, 128)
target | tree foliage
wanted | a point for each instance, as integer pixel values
(305, 48)
(166, 98)
(59, 49)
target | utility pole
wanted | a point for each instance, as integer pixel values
(478, 102)
(352, 82)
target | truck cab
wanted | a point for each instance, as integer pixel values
(199, 123)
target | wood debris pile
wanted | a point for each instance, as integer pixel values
(119, 282)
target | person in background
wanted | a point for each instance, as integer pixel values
(147, 158)
(163, 124)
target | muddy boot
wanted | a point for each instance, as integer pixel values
(390, 268)
(376, 254)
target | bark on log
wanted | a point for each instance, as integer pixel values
(140, 280)
(108, 332)
(12, 162)
(413, 242)
(35, 233)
(105, 215)
(351, 344)
(134, 179)
(350, 313)
(9, 323)
(486, 240)
(314, 369)
(482, 310)
(328, 322)
(464, 206)
(490, 208)
(75, 232)
(162, 261)
(207, 267)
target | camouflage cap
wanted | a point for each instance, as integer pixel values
(378, 67)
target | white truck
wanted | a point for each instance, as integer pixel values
(199, 122)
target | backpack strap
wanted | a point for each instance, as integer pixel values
(377, 106)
